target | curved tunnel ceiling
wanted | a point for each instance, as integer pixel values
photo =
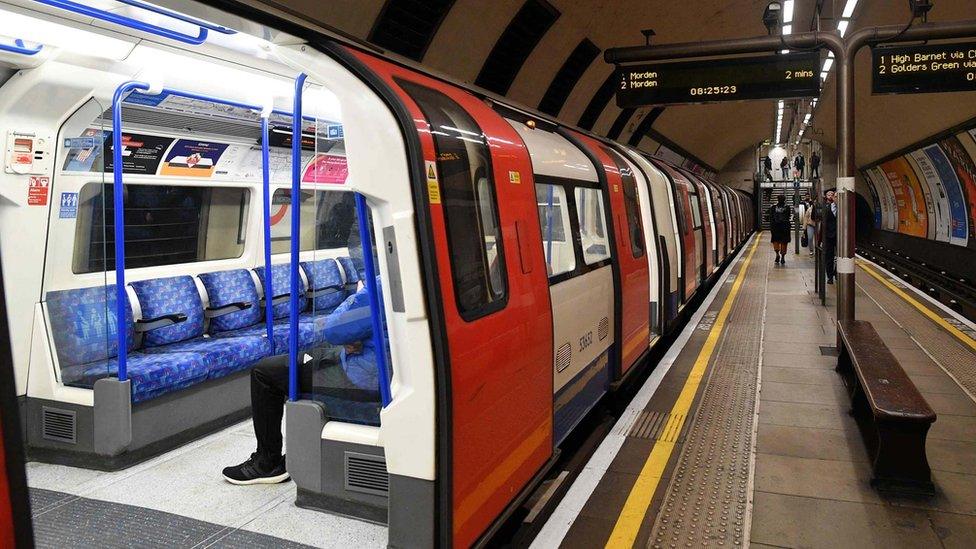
(547, 54)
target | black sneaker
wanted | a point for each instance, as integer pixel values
(830, 281)
(251, 472)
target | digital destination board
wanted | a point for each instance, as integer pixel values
(737, 79)
(924, 69)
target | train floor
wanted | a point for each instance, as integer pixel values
(742, 436)
(179, 499)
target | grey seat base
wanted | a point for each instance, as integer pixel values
(65, 434)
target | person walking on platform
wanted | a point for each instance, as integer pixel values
(767, 163)
(799, 163)
(815, 166)
(828, 234)
(784, 167)
(779, 223)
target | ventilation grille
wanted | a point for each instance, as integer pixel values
(366, 474)
(604, 329)
(408, 26)
(515, 44)
(567, 77)
(58, 425)
(183, 123)
(599, 102)
(563, 357)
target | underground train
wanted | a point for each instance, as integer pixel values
(152, 253)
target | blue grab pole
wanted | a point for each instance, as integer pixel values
(118, 203)
(375, 307)
(296, 175)
(19, 47)
(135, 24)
(266, 192)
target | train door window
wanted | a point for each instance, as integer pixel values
(592, 225)
(630, 204)
(554, 220)
(696, 211)
(468, 200)
(164, 225)
(334, 215)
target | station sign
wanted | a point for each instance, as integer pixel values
(784, 76)
(924, 69)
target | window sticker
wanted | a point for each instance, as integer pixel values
(69, 206)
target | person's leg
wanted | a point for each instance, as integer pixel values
(269, 390)
(811, 242)
(829, 250)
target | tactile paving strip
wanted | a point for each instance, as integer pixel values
(948, 351)
(707, 498)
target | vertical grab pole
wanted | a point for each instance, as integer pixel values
(375, 306)
(266, 192)
(296, 176)
(549, 228)
(118, 204)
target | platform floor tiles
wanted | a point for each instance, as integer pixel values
(812, 471)
(179, 499)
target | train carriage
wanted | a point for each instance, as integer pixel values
(214, 188)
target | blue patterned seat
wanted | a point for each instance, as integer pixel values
(84, 328)
(151, 375)
(222, 356)
(225, 288)
(309, 331)
(281, 285)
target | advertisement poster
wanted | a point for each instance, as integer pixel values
(881, 187)
(888, 200)
(928, 181)
(326, 168)
(189, 158)
(83, 151)
(959, 221)
(966, 172)
(141, 154)
(911, 205)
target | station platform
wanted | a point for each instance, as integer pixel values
(742, 434)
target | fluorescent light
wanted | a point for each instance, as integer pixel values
(787, 29)
(827, 64)
(806, 119)
(788, 11)
(823, 75)
(75, 40)
(842, 26)
(848, 9)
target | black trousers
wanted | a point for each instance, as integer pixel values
(269, 391)
(786, 173)
(815, 172)
(830, 253)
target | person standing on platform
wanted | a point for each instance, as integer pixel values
(810, 225)
(779, 224)
(784, 167)
(799, 163)
(815, 166)
(767, 163)
(828, 234)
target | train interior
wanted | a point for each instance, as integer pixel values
(154, 254)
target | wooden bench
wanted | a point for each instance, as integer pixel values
(893, 416)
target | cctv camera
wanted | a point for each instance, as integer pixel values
(771, 16)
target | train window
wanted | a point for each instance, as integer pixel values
(468, 200)
(335, 224)
(696, 211)
(164, 225)
(554, 219)
(592, 224)
(630, 203)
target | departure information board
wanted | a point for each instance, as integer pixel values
(924, 69)
(736, 79)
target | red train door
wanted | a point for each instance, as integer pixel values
(707, 230)
(633, 320)
(495, 301)
(689, 223)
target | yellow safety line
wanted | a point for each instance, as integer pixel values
(629, 522)
(921, 307)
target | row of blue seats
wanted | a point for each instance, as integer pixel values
(181, 342)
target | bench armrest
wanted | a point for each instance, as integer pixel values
(327, 290)
(214, 312)
(149, 324)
